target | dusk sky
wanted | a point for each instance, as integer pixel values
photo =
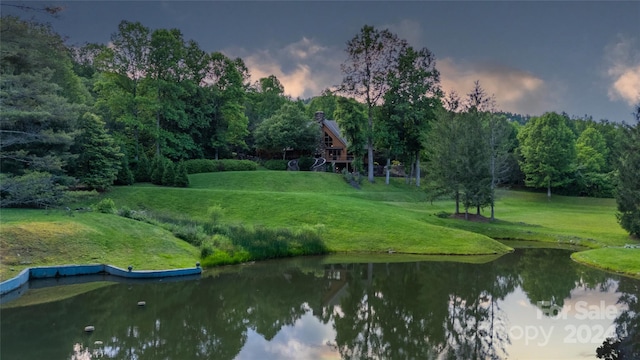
(581, 57)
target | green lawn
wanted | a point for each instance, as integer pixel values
(40, 237)
(377, 218)
(611, 259)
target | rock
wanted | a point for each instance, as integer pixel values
(89, 328)
(142, 303)
(98, 342)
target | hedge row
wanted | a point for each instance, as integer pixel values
(276, 164)
(204, 165)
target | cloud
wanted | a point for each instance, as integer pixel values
(514, 90)
(304, 67)
(623, 70)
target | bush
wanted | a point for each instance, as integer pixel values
(276, 164)
(220, 257)
(190, 233)
(182, 180)
(196, 166)
(105, 206)
(125, 212)
(125, 175)
(353, 178)
(143, 169)
(169, 174)
(157, 170)
(306, 163)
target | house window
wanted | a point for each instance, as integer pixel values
(334, 154)
(328, 140)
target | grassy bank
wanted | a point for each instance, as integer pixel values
(39, 237)
(619, 260)
(378, 218)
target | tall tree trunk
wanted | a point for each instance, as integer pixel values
(418, 168)
(549, 189)
(370, 143)
(370, 159)
(386, 180)
(157, 133)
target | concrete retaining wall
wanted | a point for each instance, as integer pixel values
(43, 272)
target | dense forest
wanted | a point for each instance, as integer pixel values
(141, 107)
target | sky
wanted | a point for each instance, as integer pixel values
(578, 57)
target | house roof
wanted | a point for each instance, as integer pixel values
(335, 129)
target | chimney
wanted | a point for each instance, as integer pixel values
(320, 117)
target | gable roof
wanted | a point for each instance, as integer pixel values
(335, 129)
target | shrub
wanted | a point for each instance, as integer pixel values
(306, 163)
(276, 164)
(157, 170)
(169, 174)
(196, 166)
(215, 213)
(182, 180)
(143, 169)
(106, 206)
(190, 233)
(353, 178)
(206, 251)
(220, 257)
(125, 212)
(125, 175)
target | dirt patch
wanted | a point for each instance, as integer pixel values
(471, 217)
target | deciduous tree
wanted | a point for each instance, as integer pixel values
(351, 119)
(288, 129)
(371, 56)
(548, 151)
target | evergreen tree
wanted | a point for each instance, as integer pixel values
(99, 158)
(182, 179)
(169, 174)
(157, 170)
(628, 191)
(143, 169)
(41, 99)
(125, 175)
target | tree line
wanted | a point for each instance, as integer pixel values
(92, 116)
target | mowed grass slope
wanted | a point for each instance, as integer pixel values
(276, 199)
(40, 237)
(376, 218)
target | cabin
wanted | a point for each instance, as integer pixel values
(333, 147)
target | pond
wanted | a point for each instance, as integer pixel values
(531, 304)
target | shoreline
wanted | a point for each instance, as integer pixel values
(50, 272)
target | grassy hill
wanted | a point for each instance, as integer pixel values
(376, 218)
(42, 237)
(351, 219)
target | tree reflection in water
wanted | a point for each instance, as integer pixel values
(417, 310)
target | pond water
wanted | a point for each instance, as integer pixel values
(531, 304)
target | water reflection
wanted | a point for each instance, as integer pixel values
(530, 304)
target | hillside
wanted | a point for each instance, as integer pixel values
(376, 218)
